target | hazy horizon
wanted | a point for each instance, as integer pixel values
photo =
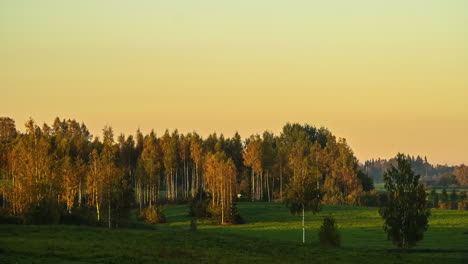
(388, 76)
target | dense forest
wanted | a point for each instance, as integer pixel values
(58, 171)
(61, 167)
(432, 175)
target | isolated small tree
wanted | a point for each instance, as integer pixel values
(303, 194)
(453, 199)
(328, 235)
(406, 214)
(444, 196)
(193, 224)
(453, 196)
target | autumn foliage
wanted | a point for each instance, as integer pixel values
(61, 168)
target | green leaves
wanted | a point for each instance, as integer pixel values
(303, 193)
(406, 214)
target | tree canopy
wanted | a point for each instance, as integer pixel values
(406, 214)
(65, 166)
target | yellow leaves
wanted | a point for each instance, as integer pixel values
(220, 177)
(253, 154)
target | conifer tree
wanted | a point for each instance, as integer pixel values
(406, 214)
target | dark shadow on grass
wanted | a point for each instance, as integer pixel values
(409, 251)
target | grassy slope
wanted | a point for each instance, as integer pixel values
(271, 235)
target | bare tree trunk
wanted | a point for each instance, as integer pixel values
(79, 194)
(268, 186)
(140, 194)
(281, 182)
(272, 188)
(97, 208)
(167, 185)
(303, 226)
(175, 186)
(194, 180)
(230, 196)
(109, 208)
(187, 181)
(137, 193)
(222, 204)
(151, 198)
(253, 185)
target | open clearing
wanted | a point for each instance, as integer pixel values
(271, 235)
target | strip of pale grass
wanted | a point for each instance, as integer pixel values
(360, 227)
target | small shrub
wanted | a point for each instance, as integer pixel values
(6, 218)
(79, 216)
(370, 198)
(446, 205)
(44, 213)
(11, 220)
(236, 217)
(198, 206)
(463, 205)
(328, 235)
(215, 214)
(231, 215)
(152, 215)
(193, 224)
(199, 209)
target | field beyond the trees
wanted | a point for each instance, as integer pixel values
(270, 235)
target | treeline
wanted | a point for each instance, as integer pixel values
(431, 175)
(451, 201)
(54, 171)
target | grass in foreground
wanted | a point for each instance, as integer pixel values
(271, 235)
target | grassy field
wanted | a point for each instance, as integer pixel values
(271, 235)
(381, 187)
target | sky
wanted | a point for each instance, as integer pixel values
(389, 76)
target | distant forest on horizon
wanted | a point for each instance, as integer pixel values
(431, 174)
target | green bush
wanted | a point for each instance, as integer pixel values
(79, 216)
(236, 217)
(43, 213)
(231, 215)
(199, 209)
(6, 218)
(198, 206)
(215, 214)
(152, 215)
(328, 235)
(193, 224)
(370, 198)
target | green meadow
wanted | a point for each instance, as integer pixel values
(270, 235)
(381, 187)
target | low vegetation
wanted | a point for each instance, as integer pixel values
(270, 235)
(328, 234)
(152, 215)
(157, 191)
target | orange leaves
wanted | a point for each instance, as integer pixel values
(253, 154)
(220, 177)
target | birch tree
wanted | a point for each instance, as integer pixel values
(302, 193)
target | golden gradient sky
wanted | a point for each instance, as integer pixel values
(390, 76)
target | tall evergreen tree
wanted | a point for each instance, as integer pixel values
(406, 214)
